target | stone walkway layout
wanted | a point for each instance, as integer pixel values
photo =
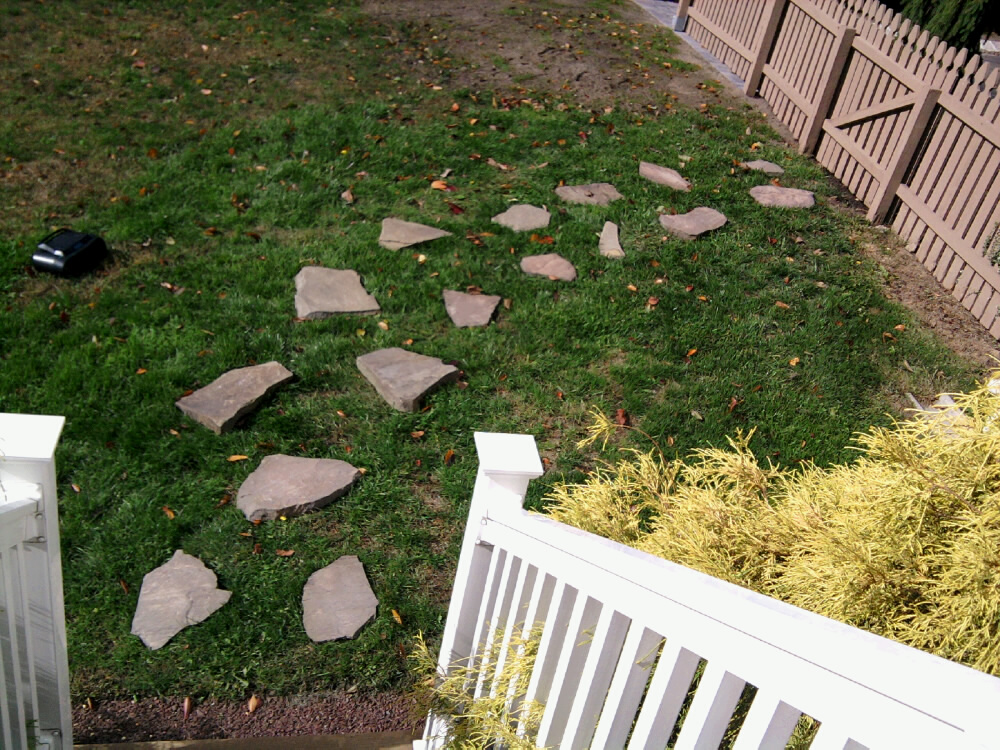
(337, 600)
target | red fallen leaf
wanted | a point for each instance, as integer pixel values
(542, 240)
(773, 240)
(757, 388)
(121, 582)
(169, 513)
(621, 418)
(258, 548)
(449, 459)
(284, 552)
(64, 317)
(153, 153)
(559, 395)
(689, 288)
(455, 209)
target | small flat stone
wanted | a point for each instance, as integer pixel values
(782, 197)
(291, 485)
(694, 223)
(523, 217)
(594, 194)
(767, 167)
(179, 593)
(550, 265)
(663, 176)
(403, 378)
(322, 292)
(397, 234)
(470, 310)
(609, 245)
(221, 403)
(338, 601)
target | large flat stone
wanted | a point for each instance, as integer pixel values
(767, 167)
(470, 310)
(593, 194)
(609, 245)
(231, 396)
(403, 378)
(549, 265)
(523, 217)
(291, 485)
(694, 223)
(337, 600)
(782, 197)
(322, 292)
(663, 176)
(397, 234)
(177, 594)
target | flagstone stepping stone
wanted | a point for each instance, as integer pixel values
(609, 245)
(593, 194)
(287, 486)
(470, 310)
(397, 234)
(403, 378)
(782, 197)
(694, 223)
(523, 217)
(550, 265)
(767, 167)
(338, 601)
(221, 403)
(663, 176)
(322, 292)
(179, 593)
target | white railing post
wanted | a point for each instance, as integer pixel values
(506, 464)
(36, 682)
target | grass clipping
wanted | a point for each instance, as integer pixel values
(904, 542)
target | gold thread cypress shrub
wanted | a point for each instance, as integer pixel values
(904, 541)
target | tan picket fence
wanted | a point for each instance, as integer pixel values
(910, 125)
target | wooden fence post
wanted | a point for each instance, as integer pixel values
(828, 87)
(681, 19)
(913, 133)
(763, 44)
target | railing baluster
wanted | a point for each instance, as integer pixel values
(635, 665)
(714, 702)
(768, 725)
(667, 691)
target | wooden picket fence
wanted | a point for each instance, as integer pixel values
(638, 652)
(910, 125)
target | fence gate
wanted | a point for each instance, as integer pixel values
(34, 672)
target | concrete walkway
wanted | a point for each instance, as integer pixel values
(376, 741)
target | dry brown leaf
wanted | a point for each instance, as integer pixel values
(396, 617)
(449, 457)
(141, 371)
(692, 352)
(169, 513)
(187, 707)
(253, 704)
(794, 361)
(439, 185)
(782, 305)
(417, 434)
(284, 552)
(384, 325)
(347, 196)
(697, 415)
(237, 457)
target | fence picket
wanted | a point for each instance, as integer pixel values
(635, 665)
(669, 687)
(768, 724)
(714, 702)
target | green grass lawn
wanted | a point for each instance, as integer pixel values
(213, 201)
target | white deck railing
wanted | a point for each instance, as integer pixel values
(624, 635)
(34, 672)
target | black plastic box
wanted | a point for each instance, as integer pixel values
(69, 253)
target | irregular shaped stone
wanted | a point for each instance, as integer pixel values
(291, 485)
(609, 245)
(767, 167)
(551, 265)
(337, 600)
(397, 234)
(523, 217)
(663, 176)
(782, 197)
(179, 593)
(322, 292)
(594, 194)
(469, 310)
(221, 403)
(694, 223)
(403, 378)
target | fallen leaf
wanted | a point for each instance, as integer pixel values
(541, 239)
(121, 582)
(284, 552)
(621, 418)
(559, 395)
(408, 342)
(141, 371)
(449, 459)
(384, 325)
(361, 332)
(697, 415)
(439, 185)
(494, 163)
(211, 231)
(733, 403)
(76, 488)
(153, 153)
(187, 707)
(782, 305)
(652, 302)
(632, 288)
(900, 327)
(237, 457)
(396, 617)
(670, 440)
(347, 196)
(455, 209)
(258, 548)
(224, 500)
(689, 288)
(692, 352)
(169, 513)
(794, 361)
(253, 704)
(417, 434)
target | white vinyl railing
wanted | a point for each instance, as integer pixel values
(639, 652)
(34, 671)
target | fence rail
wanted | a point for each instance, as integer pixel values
(910, 125)
(34, 671)
(639, 652)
